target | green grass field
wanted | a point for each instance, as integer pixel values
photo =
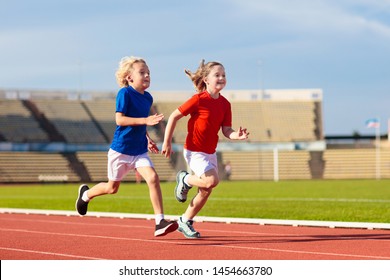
(336, 200)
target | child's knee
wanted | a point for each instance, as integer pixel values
(212, 182)
(205, 192)
(150, 175)
(112, 188)
(112, 191)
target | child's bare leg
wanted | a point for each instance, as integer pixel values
(163, 227)
(197, 203)
(205, 183)
(86, 194)
(110, 187)
(153, 181)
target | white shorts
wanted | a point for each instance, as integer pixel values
(200, 162)
(119, 165)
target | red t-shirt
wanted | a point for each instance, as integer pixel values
(208, 115)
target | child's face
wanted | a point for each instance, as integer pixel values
(139, 78)
(216, 79)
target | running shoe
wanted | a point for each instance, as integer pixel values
(187, 229)
(165, 227)
(81, 205)
(181, 189)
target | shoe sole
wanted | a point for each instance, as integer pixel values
(168, 229)
(177, 185)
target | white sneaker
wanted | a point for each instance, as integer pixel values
(187, 229)
(181, 189)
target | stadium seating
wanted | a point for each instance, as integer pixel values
(72, 120)
(103, 111)
(18, 125)
(91, 123)
(356, 163)
(259, 165)
(19, 167)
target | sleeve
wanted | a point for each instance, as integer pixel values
(227, 120)
(121, 101)
(189, 106)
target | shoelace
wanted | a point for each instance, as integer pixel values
(189, 224)
(184, 190)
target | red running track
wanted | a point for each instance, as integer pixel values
(56, 237)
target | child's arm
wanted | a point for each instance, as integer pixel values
(152, 147)
(123, 120)
(230, 133)
(169, 129)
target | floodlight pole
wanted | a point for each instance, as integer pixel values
(276, 164)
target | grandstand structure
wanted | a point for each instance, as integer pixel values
(60, 136)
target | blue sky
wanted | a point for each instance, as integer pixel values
(340, 46)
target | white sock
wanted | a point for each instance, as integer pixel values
(184, 219)
(158, 218)
(185, 180)
(85, 197)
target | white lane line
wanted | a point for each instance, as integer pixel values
(49, 253)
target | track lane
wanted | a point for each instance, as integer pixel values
(62, 237)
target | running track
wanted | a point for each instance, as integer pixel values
(64, 237)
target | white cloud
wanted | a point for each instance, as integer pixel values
(335, 18)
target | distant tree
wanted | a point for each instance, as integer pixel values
(356, 134)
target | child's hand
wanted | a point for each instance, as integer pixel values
(152, 147)
(242, 134)
(154, 119)
(166, 150)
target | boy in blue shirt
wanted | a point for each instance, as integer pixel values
(131, 142)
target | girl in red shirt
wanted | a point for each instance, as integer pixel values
(209, 112)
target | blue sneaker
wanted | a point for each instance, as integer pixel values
(187, 229)
(181, 189)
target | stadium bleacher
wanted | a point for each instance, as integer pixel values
(356, 163)
(27, 167)
(18, 124)
(51, 137)
(72, 120)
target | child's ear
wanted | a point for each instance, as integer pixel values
(129, 79)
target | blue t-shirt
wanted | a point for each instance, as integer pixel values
(131, 140)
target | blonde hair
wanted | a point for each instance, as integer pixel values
(203, 70)
(125, 68)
